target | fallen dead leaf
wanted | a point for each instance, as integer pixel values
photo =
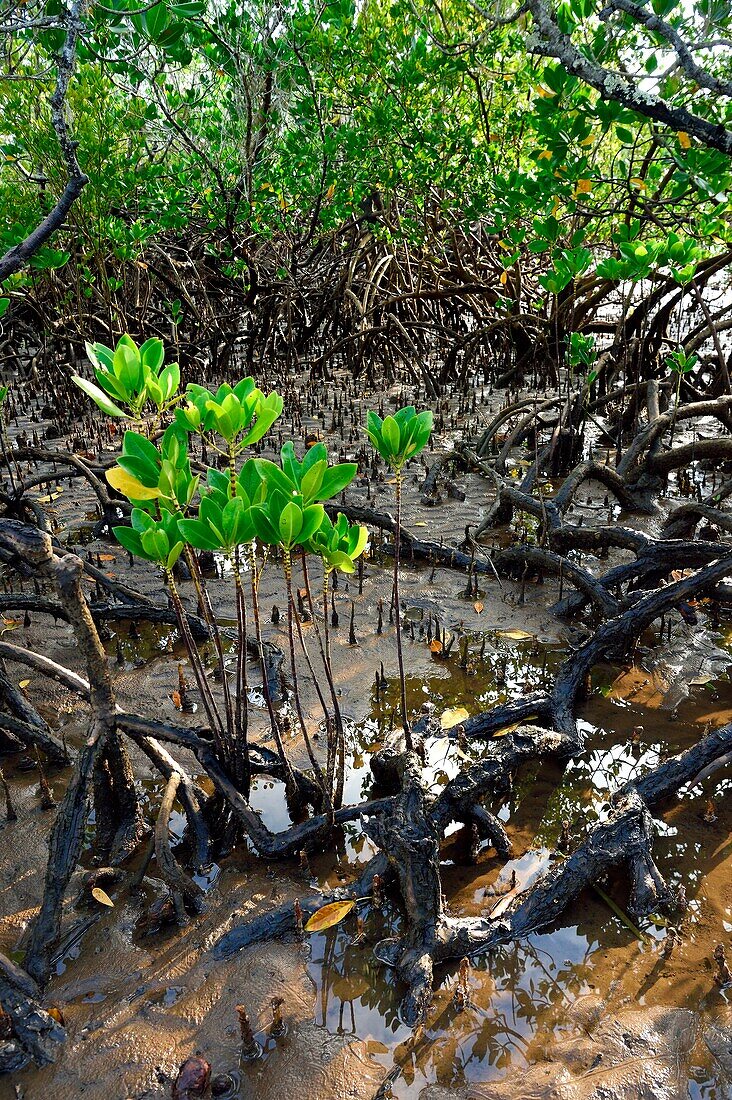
(329, 915)
(103, 898)
(453, 717)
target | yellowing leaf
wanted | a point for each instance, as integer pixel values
(129, 486)
(545, 154)
(587, 141)
(329, 915)
(104, 899)
(453, 717)
(639, 183)
(23, 683)
(515, 725)
(583, 187)
(619, 913)
(330, 192)
(514, 635)
(684, 139)
(504, 278)
(420, 523)
(545, 93)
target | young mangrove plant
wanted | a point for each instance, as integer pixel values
(252, 511)
(291, 518)
(398, 438)
(131, 377)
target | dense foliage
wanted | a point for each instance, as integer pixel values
(341, 182)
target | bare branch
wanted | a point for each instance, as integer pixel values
(551, 41)
(694, 71)
(19, 255)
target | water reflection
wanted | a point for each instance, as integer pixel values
(522, 992)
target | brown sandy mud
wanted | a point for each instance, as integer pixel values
(589, 904)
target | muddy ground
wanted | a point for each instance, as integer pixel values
(588, 1009)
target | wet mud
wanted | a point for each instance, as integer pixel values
(592, 1008)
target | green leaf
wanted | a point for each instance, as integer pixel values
(129, 539)
(290, 523)
(336, 479)
(174, 555)
(391, 436)
(98, 396)
(155, 544)
(152, 354)
(312, 481)
(199, 534)
(156, 20)
(312, 517)
(264, 528)
(273, 476)
(169, 380)
(127, 366)
(340, 560)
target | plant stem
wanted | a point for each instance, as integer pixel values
(213, 633)
(287, 566)
(241, 749)
(336, 745)
(199, 672)
(241, 723)
(398, 612)
(274, 724)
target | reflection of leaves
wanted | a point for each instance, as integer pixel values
(350, 987)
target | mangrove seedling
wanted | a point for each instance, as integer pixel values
(398, 438)
(131, 377)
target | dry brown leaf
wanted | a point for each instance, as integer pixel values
(176, 699)
(436, 645)
(478, 605)
(329, 915)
